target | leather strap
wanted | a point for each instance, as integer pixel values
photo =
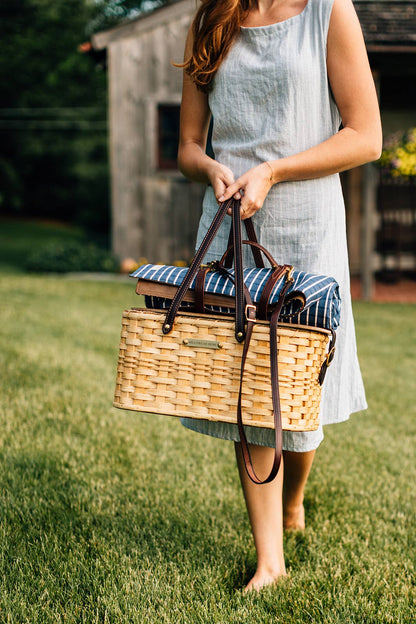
(262, 249)
(195, 265)
(274, 374)
(251, 233)
(268, 288)
(240, 330)
(329, 357)
(200, 289)
(299, 297)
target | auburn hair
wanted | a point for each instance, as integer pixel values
(214, 28)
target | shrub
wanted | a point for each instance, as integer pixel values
(64, 257)
(398, 158)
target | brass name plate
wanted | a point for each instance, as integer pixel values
(206, 344)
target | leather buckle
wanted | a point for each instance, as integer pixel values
(249, 307)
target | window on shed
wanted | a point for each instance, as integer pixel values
(168, 135)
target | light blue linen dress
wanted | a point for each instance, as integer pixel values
(271, 98)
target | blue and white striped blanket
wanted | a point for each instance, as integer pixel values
(322, 306)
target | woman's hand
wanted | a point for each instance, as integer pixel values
(220, 178)
(252, 188)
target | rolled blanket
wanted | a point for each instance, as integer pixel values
(321, 293)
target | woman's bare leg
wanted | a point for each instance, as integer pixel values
(297, 469)
(264, 506)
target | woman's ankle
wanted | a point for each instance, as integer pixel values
(293, 517)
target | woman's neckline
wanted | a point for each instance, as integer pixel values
(274, 24)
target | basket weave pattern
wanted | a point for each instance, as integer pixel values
(163, 374)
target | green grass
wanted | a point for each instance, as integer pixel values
(20, 237)
(112, 516)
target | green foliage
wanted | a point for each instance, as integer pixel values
(118, 517)
(40, 65)
(53, 129)
(19, 238)
(70, 256)
(398, 158)
(111, 12)
(53, 154)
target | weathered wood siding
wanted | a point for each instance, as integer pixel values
(154, 213)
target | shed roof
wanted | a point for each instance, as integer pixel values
(388, 25)
(143, 23)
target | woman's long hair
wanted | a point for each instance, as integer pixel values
(214, 27)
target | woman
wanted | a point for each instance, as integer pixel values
(279, 77)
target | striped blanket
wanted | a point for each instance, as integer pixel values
(322, 305)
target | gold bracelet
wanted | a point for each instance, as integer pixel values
(271, 169)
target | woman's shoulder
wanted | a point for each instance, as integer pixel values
(321, 8)
(326, 7)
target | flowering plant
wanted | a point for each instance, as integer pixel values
(398, 158)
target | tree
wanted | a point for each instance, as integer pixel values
(53, 136)
(53, 159)
(111, 12)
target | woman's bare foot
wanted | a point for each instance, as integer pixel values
(294, 518)
(263, 579)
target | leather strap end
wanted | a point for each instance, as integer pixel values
(328, 359)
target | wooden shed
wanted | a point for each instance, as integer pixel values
(155, 211)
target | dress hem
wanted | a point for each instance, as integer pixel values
(296, 441)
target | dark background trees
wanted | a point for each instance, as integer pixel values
(53, 130)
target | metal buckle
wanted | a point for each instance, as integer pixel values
(209, 265)
(289, 276)
(330, 356)
(250, 306)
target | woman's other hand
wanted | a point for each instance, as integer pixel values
(252, 188)
(220, 178)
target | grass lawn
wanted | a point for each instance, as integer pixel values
(21, 237)
(116, 517)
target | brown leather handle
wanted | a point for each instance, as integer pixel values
(251, 235)
(274, 375)
(278, 273)
(196, 263)
(252, 244)
(329, 357)
(240, 325)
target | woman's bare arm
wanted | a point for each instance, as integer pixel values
(193, 162)
(360, 138)
(353, 88)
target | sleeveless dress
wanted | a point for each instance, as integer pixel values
(271, 98)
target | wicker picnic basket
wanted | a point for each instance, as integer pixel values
(194, 371)
(249, 370)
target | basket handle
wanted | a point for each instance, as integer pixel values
(254, 246)
(279, 270)
(195, 264)
(240, 320)
(251, 234)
